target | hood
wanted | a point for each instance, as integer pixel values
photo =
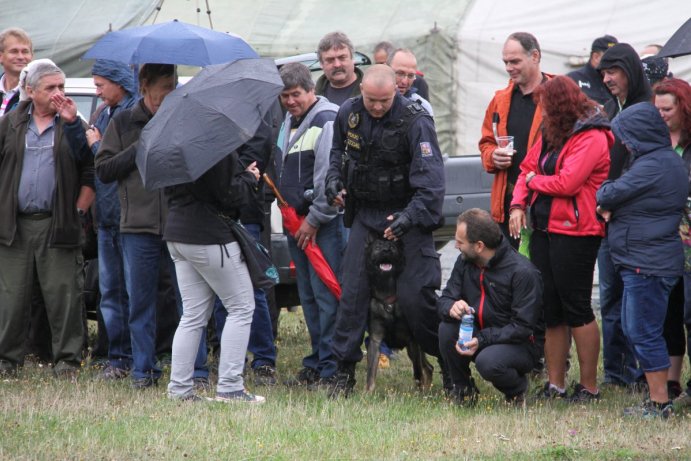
(322, 105)
(116, 72)
(595, 119)
(641, 129)
(625, 57)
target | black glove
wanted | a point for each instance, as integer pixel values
(333, 188)
(401, 224)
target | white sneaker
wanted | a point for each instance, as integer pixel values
(239, 396)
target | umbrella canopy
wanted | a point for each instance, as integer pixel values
(171, 42)
(206, 119)
(679, 44)
(292, 222)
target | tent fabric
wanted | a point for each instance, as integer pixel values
(63, 31)
(564, 29)
(280, 29)
(457, 42)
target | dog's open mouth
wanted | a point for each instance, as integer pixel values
(385, 267)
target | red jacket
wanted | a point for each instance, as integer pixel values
(582, 166)
(501, 104)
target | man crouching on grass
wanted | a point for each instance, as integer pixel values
(503, 290)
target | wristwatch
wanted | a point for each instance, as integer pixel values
(81, 212)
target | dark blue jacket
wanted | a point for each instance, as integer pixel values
(13, 102)
(590, 82)
(107, 201)
(426, 176)
(647, 201)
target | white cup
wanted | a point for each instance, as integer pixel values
(505, 143)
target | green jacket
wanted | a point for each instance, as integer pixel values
(141, 211)
(73, 170)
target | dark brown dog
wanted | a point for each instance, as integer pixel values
(384, 263)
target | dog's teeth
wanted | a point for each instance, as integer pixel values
(385, 267)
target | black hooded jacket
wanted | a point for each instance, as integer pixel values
(506, 295)
(623, 56)
(194, 208)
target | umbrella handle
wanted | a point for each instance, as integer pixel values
(279, 197)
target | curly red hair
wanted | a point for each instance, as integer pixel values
(681, 91)
(562, 103)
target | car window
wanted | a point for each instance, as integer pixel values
(86, 103)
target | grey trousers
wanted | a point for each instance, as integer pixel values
(204, 271)
(61, 278)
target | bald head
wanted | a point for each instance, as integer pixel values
(378, 90)
(379, 75)
(404, 65)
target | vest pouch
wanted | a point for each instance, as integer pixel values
(361, 183)
(392, 157)
(391, 139)
(399, 182)
(383, 183)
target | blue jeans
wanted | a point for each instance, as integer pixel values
(618, 358)
(114, 304)
(643, 311)
(261, 343)
(141, 254)
(318, 304)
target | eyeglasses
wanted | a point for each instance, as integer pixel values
(403, 75)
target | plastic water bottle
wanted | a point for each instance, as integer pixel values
(465, 332)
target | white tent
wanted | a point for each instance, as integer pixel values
(458, 42)
(564, 29)
(64, 30)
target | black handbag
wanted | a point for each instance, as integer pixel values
(262, 270)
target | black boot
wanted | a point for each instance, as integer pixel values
(343, 382)
(447, 382)
(465, 394)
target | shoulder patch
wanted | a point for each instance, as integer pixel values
(426, 149)
(353, 119)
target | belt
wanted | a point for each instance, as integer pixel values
(37, 215)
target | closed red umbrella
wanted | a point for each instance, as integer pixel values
(292, 222)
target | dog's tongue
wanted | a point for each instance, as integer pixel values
(386, 267)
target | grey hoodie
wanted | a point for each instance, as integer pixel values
(304, 161)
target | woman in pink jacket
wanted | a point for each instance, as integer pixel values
(558, 181)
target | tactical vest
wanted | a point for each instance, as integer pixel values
(378, 176)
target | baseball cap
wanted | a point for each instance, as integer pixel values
(604, 43)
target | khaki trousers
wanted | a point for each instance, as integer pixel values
(61, 278)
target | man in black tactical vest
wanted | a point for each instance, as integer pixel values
(388, 172)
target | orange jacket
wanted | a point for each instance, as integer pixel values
(500, 104)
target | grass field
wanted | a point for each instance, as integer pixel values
(44, 418)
